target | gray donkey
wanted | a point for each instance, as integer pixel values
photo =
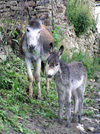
(34, 45)
(70, 81)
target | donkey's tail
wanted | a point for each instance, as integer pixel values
(42, 66)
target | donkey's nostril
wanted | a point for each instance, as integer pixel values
(31, 47)
(49, 76)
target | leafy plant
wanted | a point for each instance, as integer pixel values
(88, 113)
(57, 35)
(79, 15)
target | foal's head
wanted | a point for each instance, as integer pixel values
(33, 31)
(53, 64)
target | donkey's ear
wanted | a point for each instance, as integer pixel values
(61, 49)
(51, 47)
(43, 17)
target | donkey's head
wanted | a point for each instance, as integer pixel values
(33, 31)
(53, 64)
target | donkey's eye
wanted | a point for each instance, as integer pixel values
(27, 30)
(56, 64)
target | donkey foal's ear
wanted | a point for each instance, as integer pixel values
(61, 49)
(51, 46)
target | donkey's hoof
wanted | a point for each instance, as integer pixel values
(39, 97)
(27, 90)
(30, 96)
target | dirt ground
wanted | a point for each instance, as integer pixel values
(88, 126)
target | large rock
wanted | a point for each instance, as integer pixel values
(4, 52)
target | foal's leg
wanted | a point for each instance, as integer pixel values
(76, 105)
(68, 107)
(81, 97)
(61, 101)
(30, 76)
(37, 69)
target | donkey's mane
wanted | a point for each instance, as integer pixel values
(35, 24)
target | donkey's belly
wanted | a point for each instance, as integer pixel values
(76, 83)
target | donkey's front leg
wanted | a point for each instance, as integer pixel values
(68, 107)
(61, 104)
(47, 84)
(30, 76)
(37, 69)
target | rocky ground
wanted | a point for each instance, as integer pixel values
(90, 125)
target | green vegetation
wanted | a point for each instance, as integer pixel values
(16, 109)
(79, 15)
(57, 35)
(14, 101)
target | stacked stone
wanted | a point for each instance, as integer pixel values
(13, 9)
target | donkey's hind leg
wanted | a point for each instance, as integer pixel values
(76, 105)
(81, 97)
(30, 76)
(37, 69)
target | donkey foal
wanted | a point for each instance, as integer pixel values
(70, 80)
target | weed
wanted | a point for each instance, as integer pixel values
(57, 35)
(88, 113)
(79, 15)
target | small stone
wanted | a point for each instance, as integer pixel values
(98, 93)
(97, 117)
(91, 129)
(13, 3)
(81, 127)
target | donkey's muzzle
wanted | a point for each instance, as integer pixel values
(31, 48)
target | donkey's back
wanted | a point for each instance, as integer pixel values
(78, 74)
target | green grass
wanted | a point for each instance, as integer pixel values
(79, 15)
(15, 103)
(16, 107)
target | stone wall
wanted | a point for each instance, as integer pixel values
(71, 41)
(13, 9)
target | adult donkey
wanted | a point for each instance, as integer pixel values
(34, 45)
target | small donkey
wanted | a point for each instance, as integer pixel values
(35, 47)
(70, 80)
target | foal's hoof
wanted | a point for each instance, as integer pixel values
(74, 120)
(79, 119)
(60, 121)
(68, 125)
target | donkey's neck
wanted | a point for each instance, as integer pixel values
(36, 53)
(63, 74)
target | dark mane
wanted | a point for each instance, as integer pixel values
(35, 24)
